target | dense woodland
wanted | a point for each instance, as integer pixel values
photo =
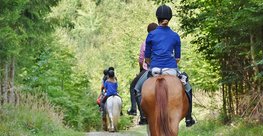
(229, 34)
(57, 49)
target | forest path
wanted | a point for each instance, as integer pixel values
(137, 130)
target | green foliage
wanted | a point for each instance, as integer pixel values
(124, 123)
(215, 128)
(229, 36)
(221, 27)
(62, 53)
(21, 21)
(89, 38)
(53, 74)
(246, 129)
(42, 65)
(108, 34)
(163, 1)
(202, 75)
(26, 120)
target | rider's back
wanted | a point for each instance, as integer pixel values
(163, 46)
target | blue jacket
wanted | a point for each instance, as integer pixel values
(111, 88)
(163, 45)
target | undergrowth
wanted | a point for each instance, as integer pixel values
(33, 116)
(215, 127)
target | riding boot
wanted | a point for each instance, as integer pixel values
(143, 119)
(188, 119)
(133, 108)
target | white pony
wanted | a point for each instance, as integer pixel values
(113, 110)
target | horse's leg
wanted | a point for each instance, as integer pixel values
(115, 119)
(116, 112)
(107, 124)
(104, 123)
(175, 125)
(110, 121)
(109, 114)
(104, 116)
(148, 109)
(148, 130)
(115, 123)
(152, 122)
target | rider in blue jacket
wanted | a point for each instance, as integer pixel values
(163, 52)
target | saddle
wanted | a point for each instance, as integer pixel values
(104, 99)
(167, 71)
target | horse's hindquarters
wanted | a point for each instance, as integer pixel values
(164, 103)
(113, 109)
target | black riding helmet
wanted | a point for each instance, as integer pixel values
(111, 73)
(164, 12)
(105, 72)
(111, 68)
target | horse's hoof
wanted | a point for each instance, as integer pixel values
(105, 128)
(111, 130)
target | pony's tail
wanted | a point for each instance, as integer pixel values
(162, 118)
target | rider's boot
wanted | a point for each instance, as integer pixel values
(188, 119)
(132, 112)
(133, 108)
(143, 119)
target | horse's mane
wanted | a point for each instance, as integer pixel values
(162, 115)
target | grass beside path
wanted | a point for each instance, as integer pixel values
(213, 127)
(24, 120)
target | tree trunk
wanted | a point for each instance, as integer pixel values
(254, 63)
(1, 82)
(12, 76)
(5, 83)
(224, 104)
(230, 101)
(236, 96)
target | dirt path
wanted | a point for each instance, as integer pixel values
(135, 131)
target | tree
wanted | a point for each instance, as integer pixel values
(21, 22)
(228, 34)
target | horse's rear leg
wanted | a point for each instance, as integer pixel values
(115, 124)
(104, 124)
(111, 129)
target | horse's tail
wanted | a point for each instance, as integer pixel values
(162, 117)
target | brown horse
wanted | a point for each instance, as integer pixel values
(164, 103)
